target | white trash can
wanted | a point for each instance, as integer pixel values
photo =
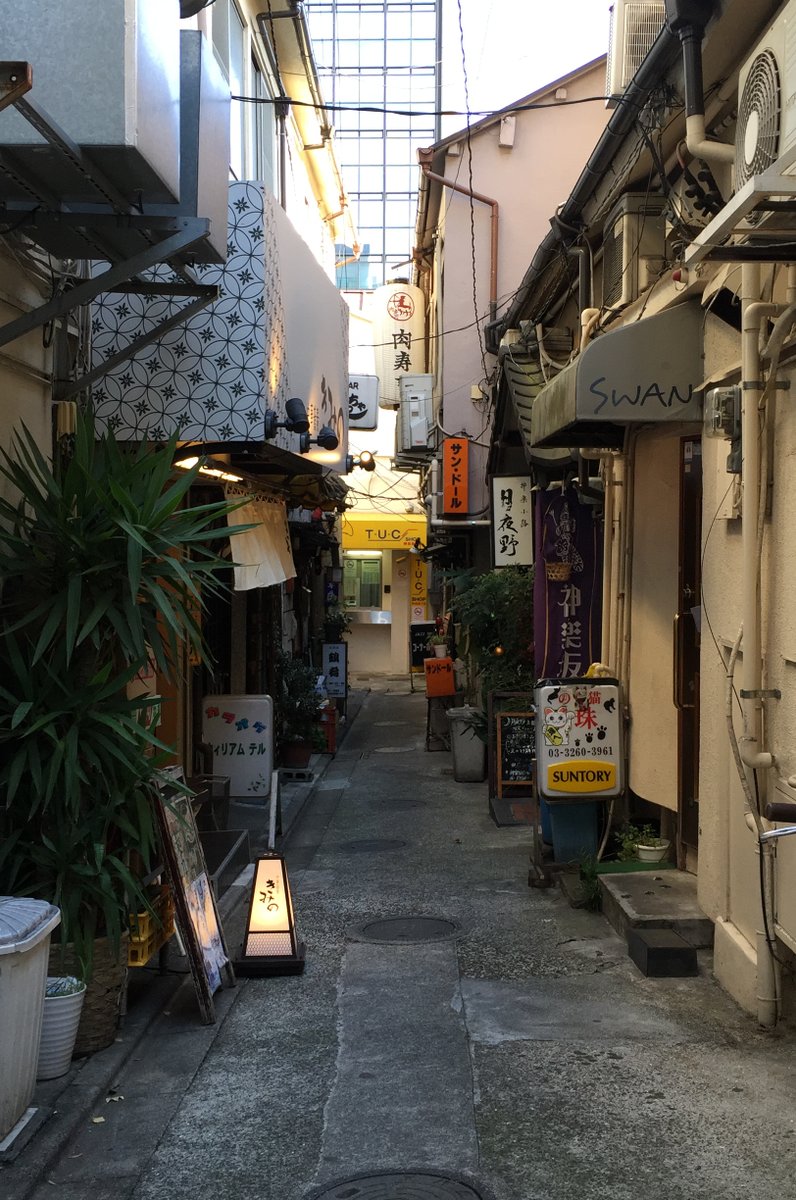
(25, 928)
(469, 752)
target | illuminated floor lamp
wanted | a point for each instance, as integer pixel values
(270, 945)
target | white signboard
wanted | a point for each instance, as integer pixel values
(335, 668)
(578, 739)
(512, 521)
(241, 731)
(363, 401)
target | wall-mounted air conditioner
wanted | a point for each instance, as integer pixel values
(415, 416)
(635, 24)
(765, 133)
(108, 72)
(765, 145)
(634, 248)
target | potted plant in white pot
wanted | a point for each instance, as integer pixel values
(641, 843)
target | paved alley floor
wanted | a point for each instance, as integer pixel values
(521, 1057)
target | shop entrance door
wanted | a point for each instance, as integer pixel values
(687, 622)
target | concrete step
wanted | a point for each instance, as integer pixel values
(660, 953)
(648, 900)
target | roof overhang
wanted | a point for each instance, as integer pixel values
(647, 373)
(302, 482)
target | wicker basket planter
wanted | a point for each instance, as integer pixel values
(558, 572)
(104, 999)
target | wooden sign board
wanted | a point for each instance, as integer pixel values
(504, 701)
(194, 903)
(515, 757)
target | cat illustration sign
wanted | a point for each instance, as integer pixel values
(578, 739)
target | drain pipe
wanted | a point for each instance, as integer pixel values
(753, 312)
(425, 158)
(687, 19)
(750, 744)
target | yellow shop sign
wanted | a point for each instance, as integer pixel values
(581, 775)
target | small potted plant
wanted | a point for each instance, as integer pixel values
(438, 642)
(651, 847)
(438, 645)
(642, 843)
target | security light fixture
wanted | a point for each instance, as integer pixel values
(365, 460)
(270, 945)
(208, 467)
(296, 420)
(327, 439)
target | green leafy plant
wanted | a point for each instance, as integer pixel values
(630, 837)
(590, 883)
(299, 702)
(495, 610)
(437, 639)
(336, 623)
(103, 566)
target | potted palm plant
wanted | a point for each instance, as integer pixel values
(103, 565)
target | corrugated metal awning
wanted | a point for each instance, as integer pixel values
(524, 378)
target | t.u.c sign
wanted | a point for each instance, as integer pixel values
(455, 472)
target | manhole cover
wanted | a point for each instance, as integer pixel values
(395, 1185)
(371, 845)
(407, 930)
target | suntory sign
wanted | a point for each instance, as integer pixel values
(581, 776)
(578, 739)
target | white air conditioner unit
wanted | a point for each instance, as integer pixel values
(765, 147)
(416, 417)
(765, 133)
(635, 24)
(634, 248)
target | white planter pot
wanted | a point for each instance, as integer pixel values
(440, 651)
(58, 1033)
(653, 853)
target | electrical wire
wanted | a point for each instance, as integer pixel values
(434, 112)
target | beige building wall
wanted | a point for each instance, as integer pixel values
(652, 743)
(530, 178)
(728, 877)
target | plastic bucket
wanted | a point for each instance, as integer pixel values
(59, 1028)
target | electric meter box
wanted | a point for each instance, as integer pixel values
(579, 754)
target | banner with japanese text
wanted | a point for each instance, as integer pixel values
(567, 592)
(455, 475)
(512, 524)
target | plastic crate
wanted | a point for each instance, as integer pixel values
(149, 932)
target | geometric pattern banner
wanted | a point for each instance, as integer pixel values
(211, 377)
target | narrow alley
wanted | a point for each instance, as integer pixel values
(507, 1050)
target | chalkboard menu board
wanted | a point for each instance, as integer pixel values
(516, 749)
(418, 643)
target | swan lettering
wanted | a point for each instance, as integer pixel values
(666, 397)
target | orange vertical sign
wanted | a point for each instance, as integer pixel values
(455, 471)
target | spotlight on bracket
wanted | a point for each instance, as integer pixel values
(365, 460)
(327, 439)
(296, 420)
